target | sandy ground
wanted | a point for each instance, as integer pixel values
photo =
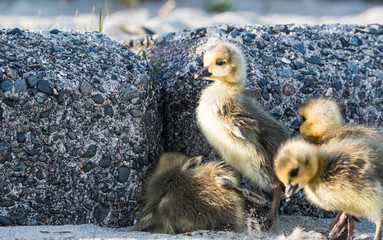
(286, 227)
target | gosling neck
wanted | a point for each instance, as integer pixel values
(322, 162)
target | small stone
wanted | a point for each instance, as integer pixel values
(369, 53)
(71, 135)
(361, 94)
(60, 97)
(44, 86)
(9, 103)
(20, 85)
(261, 45)
(290, 112)
(288, 89)
(355, 41)
(300, 47)
(268, 59)
(4, 146)
(15, 31)
(100, 212)
(97, 98)
(136, 113)
(298, 64)
(6, 158)
(5, 221)
(55, 31)
(32, 152)
(263, 82)
(284, 72)
(18, 167)
(123, 174)
(42, 158)
(87, 167)
(92, 49)
(127, 93)
(31, 81)
(307, 90)
(338, 86)
(307, 82)
(285, 60)
(86, 88)
(344, 42)
(314, 59)
(234, 33)
(113, 77)
(39, 175)
(90, 152)
(11, 74)
(6, 85)
(105, 161)
(61, 146)
(108, 110)
(265, 94)
(45, 113)
(20, 138)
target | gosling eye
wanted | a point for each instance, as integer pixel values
(294, 172)
(220, 62)
(303, 119)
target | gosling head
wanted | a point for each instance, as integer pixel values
(225, 63)
(296, 165)
(318, 117)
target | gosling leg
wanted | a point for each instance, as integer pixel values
(277, 196)
(351, 227)
(249, 195)
(339, 226)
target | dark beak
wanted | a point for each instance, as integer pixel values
(289, 191)
(204, 72)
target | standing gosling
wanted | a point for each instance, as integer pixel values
(343, 175)
(183, 195)
(321, 121)
(246, 136)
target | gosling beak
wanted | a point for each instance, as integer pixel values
(290, 190)
(204, 72)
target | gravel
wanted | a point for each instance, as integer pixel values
(286, 65)
(65, 100)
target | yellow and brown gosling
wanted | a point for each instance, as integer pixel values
(321, 121)
(183, 195)
(344, 175)
(246, 136)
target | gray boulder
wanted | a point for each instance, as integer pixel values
(287, 65)
(79, 128)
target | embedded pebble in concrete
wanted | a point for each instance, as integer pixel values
(286, 65)
(67, 138)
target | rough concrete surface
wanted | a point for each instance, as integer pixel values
(80, 126)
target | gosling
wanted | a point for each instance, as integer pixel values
(321, 121)
(246, 136)
(344, 175)
(183, 195)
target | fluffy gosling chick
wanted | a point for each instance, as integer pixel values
(344, 175)
(246, 136)
(321, 121)
(183, 195)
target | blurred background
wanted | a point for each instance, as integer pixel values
(126, 19)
